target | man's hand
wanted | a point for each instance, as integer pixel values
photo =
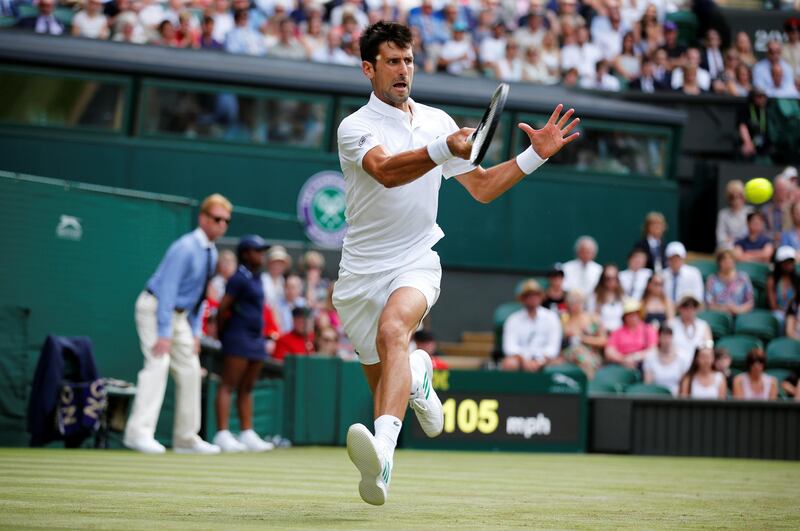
(162, 346)
(459, 144)
(549, 140)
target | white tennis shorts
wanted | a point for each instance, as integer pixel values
(360, 299)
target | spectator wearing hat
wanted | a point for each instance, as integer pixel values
(634, 279)
(791, 48)
(584, 335)
(732, 220)
(754, 383)
(729, 290)
(663, 367)
(532, 335)
(679, 277)
(299, 340)
(555, 296)
(241, 324)
(782, 284)
(653, 229)
(273, 279)
(702, 380)
(688, 330)
(583, 272)
(631, 343)
(675, 51)
(756, 246)
(168, 324)
(606, 301)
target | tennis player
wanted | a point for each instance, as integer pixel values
(394, 153)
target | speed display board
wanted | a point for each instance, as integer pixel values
(507, 411)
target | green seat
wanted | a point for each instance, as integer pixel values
(569, 369)
(64, 15)
(617, 375)
(596, 387)
(645, 389)
(759, 323)
(780, 375)
(783, 352)
(7, 22)
(738, 346)
(27, 10)
(501, 313)
(706, 267)
(757, 272)
(721, 323)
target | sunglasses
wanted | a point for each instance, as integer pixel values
(218, 219)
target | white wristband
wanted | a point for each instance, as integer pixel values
(438, 150)
(528, 161)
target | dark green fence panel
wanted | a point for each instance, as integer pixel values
(310, 401)
(355, 400)
(14, 369)
(267, 408)
(79, 256)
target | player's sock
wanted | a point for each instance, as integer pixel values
(387, 429)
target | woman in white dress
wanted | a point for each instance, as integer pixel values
(663, 367)
(701, 380)
(755, 384)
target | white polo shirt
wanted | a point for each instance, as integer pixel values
(388, 228)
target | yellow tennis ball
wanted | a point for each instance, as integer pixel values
(758, 190)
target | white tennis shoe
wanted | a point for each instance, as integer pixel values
(227, 442)
(371, 461)
(253, 443)
(424, 401)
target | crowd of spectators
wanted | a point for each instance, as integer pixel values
(647, 316)
(595, 44)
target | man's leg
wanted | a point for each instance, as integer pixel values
(185, 368)
(390, 381)
(151, 382)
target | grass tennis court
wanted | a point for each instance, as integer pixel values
(313, 487)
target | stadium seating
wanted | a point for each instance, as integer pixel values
(783, 352)
(738, 346)
(757, 272)
(645, 389)
(706, 267)
(501, 313)
(569, 369)
(780, 375)
(721, 323)
(617, 376)
(596, 387)
(759, 323)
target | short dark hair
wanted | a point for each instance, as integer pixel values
(755, 214)
(381, 32)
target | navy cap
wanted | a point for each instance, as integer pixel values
(299, 311)
(251, 241)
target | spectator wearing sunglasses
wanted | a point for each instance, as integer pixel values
(755, 384)
(168, 323)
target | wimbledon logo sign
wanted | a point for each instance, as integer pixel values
(320, 207)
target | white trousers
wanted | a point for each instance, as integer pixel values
(182, 362)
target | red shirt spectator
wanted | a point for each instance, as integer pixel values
(297, 341)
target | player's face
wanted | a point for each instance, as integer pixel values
(392, 74)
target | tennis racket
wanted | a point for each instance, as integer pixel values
(481, 138)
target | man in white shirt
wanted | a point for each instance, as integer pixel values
(703, 77)
(681, 279)
(634, 279)
(532, 335)
(778, 87)
(458, 55)
(582, 55)
(688, 331)
(607, 31)
(394, 153)
(583, 272)
(762, 70)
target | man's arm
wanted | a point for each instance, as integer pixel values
(487, 185)
(408, 166)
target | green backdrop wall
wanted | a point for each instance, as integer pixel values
(80, 274)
